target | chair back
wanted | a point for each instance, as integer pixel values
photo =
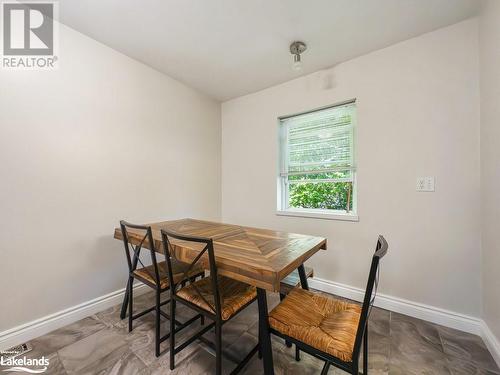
(371, 292)
(201, 257)
(134, 238)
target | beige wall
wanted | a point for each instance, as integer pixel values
(418, 115)
(101, 139)
(489, 33)
(72, 140)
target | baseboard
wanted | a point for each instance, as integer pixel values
(46, 324)
(417, 310)
(491, 342)
(421, 311)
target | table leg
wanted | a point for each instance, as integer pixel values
(303, 277)
(264, 334)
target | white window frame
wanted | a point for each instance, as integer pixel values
(283, 208)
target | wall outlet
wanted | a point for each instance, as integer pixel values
(425, 184)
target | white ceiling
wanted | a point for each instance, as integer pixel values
(228, 48)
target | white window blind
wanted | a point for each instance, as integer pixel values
(317, 165)
(319, 143)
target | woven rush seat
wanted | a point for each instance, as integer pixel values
(146, 274)
(324, 323)
(234, 295)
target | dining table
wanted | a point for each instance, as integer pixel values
(258, 257)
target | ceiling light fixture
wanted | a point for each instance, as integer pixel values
(296, 48)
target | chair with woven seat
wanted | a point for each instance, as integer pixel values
(326, 327)
(155, 276)
(218, 298)
(286, 286)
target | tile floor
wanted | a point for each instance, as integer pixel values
(399, 344)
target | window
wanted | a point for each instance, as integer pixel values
(317, 170)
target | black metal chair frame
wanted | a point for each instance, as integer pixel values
(215, 315)
(132, 265)
(351, 367)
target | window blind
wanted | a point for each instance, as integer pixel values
(320, 142)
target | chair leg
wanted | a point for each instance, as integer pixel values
(157, 324)
(365, 351)
(123, 311)
(326, 367)
(287, 343)
(297, 353)
(218, 348)
(172, 333)
(130, 303)
(259, 351)
(355, 368)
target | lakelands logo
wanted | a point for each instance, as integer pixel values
(29, 35)
(29, 365)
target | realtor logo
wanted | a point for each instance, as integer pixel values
(24, 364)
(28, 35)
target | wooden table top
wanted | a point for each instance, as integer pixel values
(258, 257)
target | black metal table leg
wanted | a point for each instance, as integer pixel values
(264, 335)
(303, 277)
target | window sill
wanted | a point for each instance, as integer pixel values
(319, 215)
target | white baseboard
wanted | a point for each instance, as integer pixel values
(46, 324)
(425, 312)
(417, 310)
(491, 342)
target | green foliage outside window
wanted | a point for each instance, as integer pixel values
(320, 195)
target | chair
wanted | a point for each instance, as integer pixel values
(328, 328)
(154, 276)
(286, 286)
(217, 297)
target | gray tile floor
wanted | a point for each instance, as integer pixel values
(398, 344)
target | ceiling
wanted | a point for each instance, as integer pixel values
(228, 48)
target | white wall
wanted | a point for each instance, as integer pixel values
(489, 33)
(74, 141)
(418, 115)
(101, 139)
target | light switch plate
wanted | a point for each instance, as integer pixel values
(425, 184)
